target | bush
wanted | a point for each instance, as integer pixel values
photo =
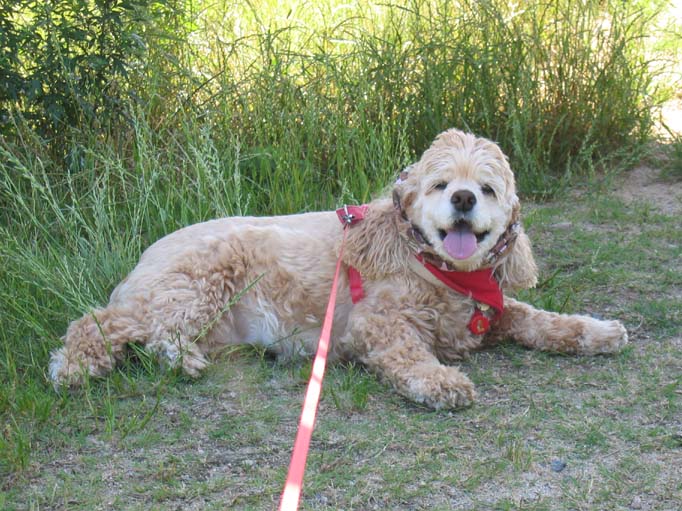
(74, 63)
(558, 83)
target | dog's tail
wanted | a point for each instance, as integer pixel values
(94, 343)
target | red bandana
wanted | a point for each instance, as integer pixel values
(480, 285)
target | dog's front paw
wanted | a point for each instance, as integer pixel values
(441, 387)
(602, 337)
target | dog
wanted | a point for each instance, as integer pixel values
(424, 276)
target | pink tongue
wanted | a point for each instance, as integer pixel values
(460, 243)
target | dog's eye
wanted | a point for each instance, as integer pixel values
(487, 189)
(441, 186)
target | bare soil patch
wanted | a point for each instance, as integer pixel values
(645, 183)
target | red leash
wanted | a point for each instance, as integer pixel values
(294, 483)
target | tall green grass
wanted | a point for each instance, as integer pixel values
(557, 83)
(268, 108)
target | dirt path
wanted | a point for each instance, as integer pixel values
(647, 184)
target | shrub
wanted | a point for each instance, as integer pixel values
(557, 83)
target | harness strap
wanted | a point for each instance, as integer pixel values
(357, 292)
(351, 215)
(418, 267)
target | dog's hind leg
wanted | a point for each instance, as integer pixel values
(94, 343)
(177, 349)
(184, 316)
(169, 326)
(168, 309)
(560, 333)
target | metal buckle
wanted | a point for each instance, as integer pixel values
(347, 216)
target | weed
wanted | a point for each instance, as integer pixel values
(350, 387)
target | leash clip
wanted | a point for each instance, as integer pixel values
(350, 215)
(347, 217)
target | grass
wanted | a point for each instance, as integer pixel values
(306, 110)
(346, 93)
(147, 439)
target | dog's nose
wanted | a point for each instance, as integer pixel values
(463, 200)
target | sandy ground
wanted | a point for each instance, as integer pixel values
(645, 183)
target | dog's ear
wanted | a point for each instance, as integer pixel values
(403, 191)
(374, 246)
(518, 270)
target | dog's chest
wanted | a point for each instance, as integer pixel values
(454, 338)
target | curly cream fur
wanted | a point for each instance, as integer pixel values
(177, 302)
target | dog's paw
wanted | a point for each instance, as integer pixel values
(193, 363)
(600, 337)
(178, 354)
(441, 387)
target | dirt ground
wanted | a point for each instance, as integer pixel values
(645, 183)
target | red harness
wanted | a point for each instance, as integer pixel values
(352, 215)
(480, 285)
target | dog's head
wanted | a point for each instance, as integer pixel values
(460, 197)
